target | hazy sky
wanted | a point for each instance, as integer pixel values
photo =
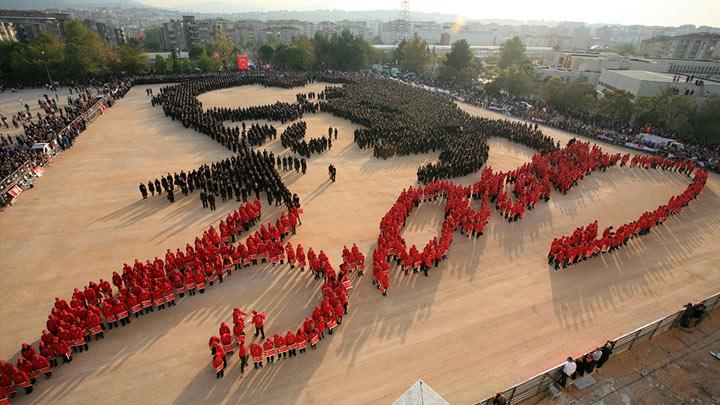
(646, 12)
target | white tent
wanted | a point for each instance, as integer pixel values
(420, 394)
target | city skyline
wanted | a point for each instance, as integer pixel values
(634, 12)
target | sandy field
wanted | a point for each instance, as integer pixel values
(493, 314)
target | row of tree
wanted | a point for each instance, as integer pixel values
(667, 111)
(81, 54)
(344, 51)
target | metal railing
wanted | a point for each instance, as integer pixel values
(13, 179)
(541, 382)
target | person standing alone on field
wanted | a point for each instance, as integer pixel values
(258, 320)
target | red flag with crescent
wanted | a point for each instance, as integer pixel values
(242, 61)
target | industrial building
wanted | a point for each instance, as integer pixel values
(641, 83)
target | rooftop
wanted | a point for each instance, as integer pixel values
(645, 75)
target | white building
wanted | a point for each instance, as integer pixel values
(642, 83)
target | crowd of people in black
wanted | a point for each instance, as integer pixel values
(402, 120)
(293, 138)
(596, 126)
(248, 171)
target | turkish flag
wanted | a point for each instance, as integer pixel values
(242, 61)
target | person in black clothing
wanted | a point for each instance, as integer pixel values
(143, 191)
(171, 195)
(157, 186)
(204, 199)
(606, 352)
(151, 187)
(211, 201)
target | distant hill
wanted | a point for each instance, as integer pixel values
(65, 4)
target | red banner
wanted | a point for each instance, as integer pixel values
(15, 191)
(242, 61)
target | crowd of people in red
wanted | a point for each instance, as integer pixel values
(512, 192)
(458, 213)
(584, 242)
(145, 287)
(326, 316)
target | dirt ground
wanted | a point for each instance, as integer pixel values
(493, 315)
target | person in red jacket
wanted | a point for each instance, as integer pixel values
(121, 312)
(280, 346)
(61, 348)
(200, 281)
(21, 379)
(314, 338)
(41, 365)
(243, 354)
(256, 353)
(134, 305)
(108, 312)
(269, 350)
(291, 343)
(227, 343)
(301, 340)
(218, 365)
(4, 396)
(258, 320)
(339, 312)
(27, 367)
(146, 300)
(48, 352)
(189, 281)
(320, 327)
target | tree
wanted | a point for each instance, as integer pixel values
(459, 56)
(223, 45)
(666, 110)
(151, 40)
(517, 82)
(9, 51)
(186, 66)
(707, 122)
(575, 97)
(512, 53)
(457, 67)
(175, 64)
(160, 64)
(131, 60)
(208, 64)
(414, 55)
(33, 62)
(86, 54)
(195, 52)
(266, 53)
(626, 49)
(617, 104)
(306, 53)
